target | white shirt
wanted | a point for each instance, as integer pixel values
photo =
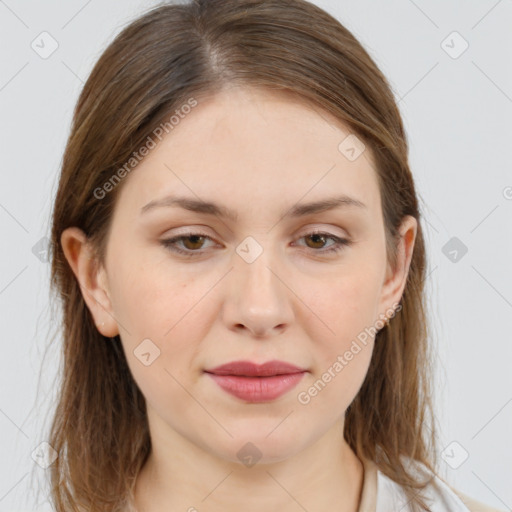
(381, 494)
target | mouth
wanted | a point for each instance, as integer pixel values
(255, 383)
(250, 369)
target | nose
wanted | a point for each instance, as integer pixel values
(258, 300)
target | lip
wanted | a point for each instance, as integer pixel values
(250, 369)
(257, 383)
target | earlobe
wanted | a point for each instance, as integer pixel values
(91, 278)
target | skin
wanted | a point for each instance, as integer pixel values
(259, 153)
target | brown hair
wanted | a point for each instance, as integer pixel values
(155, 65)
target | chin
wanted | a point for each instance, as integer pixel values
(259, 444)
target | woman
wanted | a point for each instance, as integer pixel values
(238, 250)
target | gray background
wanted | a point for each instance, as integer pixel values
(457, 109)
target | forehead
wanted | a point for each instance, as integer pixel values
(247, 143)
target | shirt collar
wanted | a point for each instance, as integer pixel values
(368, 500)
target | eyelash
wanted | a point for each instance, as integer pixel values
(169, 244)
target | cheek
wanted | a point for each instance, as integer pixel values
(345, 307)
(154, 300)
(171, 308)
(342, 346)
(166, 309)
(341, 330)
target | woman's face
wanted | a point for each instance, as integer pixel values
(260, 285)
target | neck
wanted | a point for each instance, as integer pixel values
(180, 475)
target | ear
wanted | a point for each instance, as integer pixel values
(396, 278)
(92, 279)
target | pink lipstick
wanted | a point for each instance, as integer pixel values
(257, 383)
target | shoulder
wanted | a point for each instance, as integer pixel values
(472, 504)
(438, 493)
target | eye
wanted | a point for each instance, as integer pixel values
(194, 242)
(320, 237)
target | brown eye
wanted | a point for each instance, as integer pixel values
(192, 243)
(318, 240)
(196, 241)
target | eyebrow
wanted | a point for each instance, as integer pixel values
(211, 208)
